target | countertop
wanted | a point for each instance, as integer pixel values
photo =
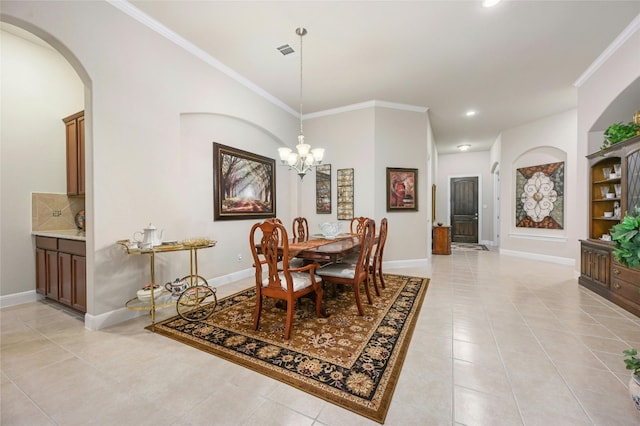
(69, 234)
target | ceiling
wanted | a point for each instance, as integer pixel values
(513, 63)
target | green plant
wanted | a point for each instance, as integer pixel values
(631, 361)
(619, 132)
(626, 236)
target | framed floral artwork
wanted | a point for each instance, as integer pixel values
(402, 189)
(244, 184)
(540, 196)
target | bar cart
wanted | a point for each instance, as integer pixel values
(195, 303)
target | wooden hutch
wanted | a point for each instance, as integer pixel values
(610, 196)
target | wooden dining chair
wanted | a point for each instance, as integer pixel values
(353, 274)
(375, 266)
(357, 225)
(287, 284)
(300, 228)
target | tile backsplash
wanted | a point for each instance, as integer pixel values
(53, 212)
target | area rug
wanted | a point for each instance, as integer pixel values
(349, 360)
(468, 247)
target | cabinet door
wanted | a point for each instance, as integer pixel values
(633, 181)
(52, 274)
(80, 156)
(66, 274)
(596, 265)
(72, 157)
(78, 283)
(41, 271)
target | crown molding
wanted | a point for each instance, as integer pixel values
(170, 35)
(365, 105)
(630, 30)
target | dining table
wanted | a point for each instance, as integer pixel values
(321, 249)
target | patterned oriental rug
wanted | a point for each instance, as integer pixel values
(348, 360)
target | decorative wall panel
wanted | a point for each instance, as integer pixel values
(540, 196)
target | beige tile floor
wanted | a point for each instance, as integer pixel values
(499, 341)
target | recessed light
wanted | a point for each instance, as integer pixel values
(470, 113)
(464, 147)
(490, 3)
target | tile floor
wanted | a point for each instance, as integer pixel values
(500, 341)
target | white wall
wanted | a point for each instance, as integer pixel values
(467, 164)
(369, 138)
(402, 140)
(549, 140)
(38, 89)
(348, 139)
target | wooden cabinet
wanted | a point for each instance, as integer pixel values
(598, 270)
(595, 265)
(441, 240)
(61, 271)
(74, 125)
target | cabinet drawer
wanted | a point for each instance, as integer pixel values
(72, 247)
(627, 290)
(47, 243)
(625, 274)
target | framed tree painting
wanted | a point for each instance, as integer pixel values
(402, 189)
(323, 189)
(244, 184)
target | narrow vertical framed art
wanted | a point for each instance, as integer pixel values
(323, 189)
(345, 194)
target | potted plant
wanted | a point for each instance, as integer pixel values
(619, 132)
(626, 236)
(633, 364)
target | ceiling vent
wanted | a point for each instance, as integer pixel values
(285, 49)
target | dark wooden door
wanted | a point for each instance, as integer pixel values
(464, 209)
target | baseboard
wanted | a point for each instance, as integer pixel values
(543, 257)
(97, 322)
(411, 263)
(232, 277)
(19, 298)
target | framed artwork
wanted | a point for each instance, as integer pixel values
(345, 194)
(402, 189)
(433, 202)
(540, 196)
(323, 189)
(244, 184)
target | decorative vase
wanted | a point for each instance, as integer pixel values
(634, 390)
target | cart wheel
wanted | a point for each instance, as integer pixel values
(197, 303)
(194, 280)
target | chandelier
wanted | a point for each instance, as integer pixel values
(304, 158)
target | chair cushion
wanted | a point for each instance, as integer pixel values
(300, 280)
(340, 270)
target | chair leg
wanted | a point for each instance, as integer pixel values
(374, 279)
(256, 314)
(356, 291)
(320, 312)
(366, 290)
(291, 308)
(380, 275)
